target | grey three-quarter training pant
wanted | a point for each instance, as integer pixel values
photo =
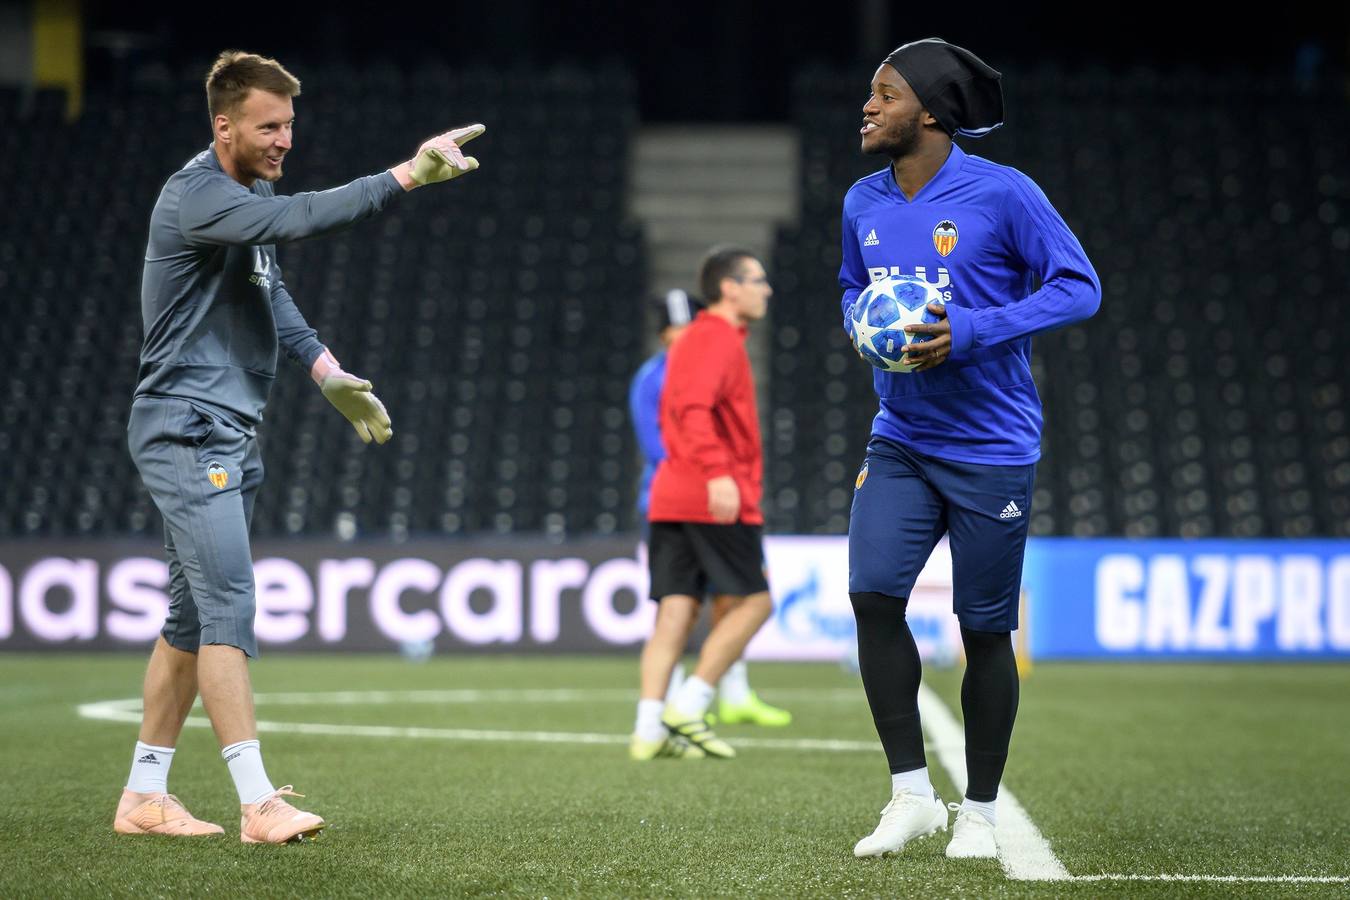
(203, 475)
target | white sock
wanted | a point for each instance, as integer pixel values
(735, 685)
(648, 726)
(676, 679)
(246, 768)
(150, 769)
(916, 782)
(694, 697)
(984, 809)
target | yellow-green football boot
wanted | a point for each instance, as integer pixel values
(753, 711)
(669, 747)
(695, 730)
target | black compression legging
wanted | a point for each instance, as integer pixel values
(889, 663)
(989, 703)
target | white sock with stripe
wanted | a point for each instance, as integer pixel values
(244, 760)
(150, 769)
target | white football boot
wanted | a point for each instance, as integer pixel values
(972, 835)
(908, 816)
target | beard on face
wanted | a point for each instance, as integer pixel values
(256, 166)
(265, 172)
(901, 142)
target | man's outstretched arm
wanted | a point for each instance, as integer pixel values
(222, 211)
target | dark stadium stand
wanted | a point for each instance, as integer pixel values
(493, 316)
(1209, 395)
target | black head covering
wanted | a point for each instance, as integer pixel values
(675, 307)
(961, 91)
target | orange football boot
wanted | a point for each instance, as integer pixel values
(274, 821)
(158, 814)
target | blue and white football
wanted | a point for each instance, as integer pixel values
(882, 311)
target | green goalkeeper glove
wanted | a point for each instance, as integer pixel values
(353, 398)
(440, 159)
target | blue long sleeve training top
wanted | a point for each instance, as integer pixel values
(644, 404)
(1000, 236)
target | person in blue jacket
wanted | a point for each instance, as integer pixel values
(736, 701)
(674, 311)
(954, 444)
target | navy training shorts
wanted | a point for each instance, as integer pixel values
(904, 502)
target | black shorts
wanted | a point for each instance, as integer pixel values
(694, 559)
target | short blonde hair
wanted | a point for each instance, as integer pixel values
(235, 73)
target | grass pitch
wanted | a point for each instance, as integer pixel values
(1198, 770)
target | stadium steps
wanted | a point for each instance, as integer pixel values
(695, 186)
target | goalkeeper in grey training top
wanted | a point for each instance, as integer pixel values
(215, 309)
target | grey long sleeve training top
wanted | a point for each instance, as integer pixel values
(212, 300)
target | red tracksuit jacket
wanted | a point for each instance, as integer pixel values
(709, 425)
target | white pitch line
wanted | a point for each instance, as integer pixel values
(129, 711)
(513, 695)
(535, 737)
(1225, 879)
(1024, 853)
(467, 695)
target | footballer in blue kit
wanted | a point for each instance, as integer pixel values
(955, 442)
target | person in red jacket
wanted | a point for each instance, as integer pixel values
(706, 524)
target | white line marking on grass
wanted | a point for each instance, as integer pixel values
(1225, 879)
(113, 710)
(1025, 854)
(129, 711)
(535, 737)
(515, 695)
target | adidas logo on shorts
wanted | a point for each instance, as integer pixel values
(1010, 511)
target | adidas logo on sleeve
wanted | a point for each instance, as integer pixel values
(871, 239)
(1010, 511)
